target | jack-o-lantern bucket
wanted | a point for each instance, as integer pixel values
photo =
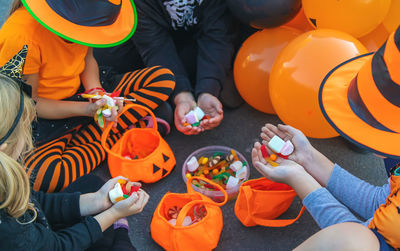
(150, 157)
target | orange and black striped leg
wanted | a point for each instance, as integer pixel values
(54, 165)
(149, 86)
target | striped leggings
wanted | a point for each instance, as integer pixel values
(54, 165)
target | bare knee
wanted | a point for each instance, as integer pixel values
(345, 236)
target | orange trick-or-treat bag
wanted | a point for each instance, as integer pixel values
(189, 221)
(141, 154)
(261, 201)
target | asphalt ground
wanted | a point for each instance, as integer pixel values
(239, 130)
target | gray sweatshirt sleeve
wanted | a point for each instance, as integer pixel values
(358, 195)
(362, 197)
(326, 210)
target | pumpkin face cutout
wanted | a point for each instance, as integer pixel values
(141, 154)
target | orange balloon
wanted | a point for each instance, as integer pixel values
(300, 22)
(374, 40)
(392, 19)
(253, 65)
(356, 17)
(297, 75)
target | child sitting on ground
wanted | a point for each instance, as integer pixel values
(360, 99)
(28, 218)
(59, 66)
(327, 191)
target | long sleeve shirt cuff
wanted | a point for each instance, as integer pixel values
(75, 212)
(182, 84)
(208, 85)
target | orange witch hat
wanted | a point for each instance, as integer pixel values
(94, 23)
(360, 98)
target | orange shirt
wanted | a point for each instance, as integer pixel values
(59, 63)
(386, 218)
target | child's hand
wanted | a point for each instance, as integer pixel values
(101, 196)
(212, 107)
(314, 162)
(284, 173)
(132, 205)
(184, 103)
(303, 150)
(114, 113)
(93, 107)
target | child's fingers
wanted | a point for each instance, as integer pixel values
(263, 169)
(137, 184)
(146, 198)
(257, 148)
(267, 132)
(120, 104)
(141, 202)
(275, 131)
(131, 200)
(265, 137)
(114, 114)
(291, 131)
(100, 103)
(254, 155)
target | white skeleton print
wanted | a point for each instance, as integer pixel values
(181, 12)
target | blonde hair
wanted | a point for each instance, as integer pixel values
(14, 182)
(16, 4)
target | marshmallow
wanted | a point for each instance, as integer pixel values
(172, 222)
(110, 100)
(186, 222)
(192, 164)
(235, 166)
(276, 144)
(232, 182)
(241, 173)
(287, 148)
(191, 117)
(106, 113)
(115, 193)
(199, 113)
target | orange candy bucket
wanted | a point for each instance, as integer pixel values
(261, 201)
(153, 160)
(188, 238)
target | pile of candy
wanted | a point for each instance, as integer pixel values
(224, 169)
(198, 213)
(122, 190)
(280, 148)
(194, 117)
(110, 98)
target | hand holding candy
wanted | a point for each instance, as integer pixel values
(284, 172)
(106, 106)
(134, 204)
(212, 107)
(122, 190)
(194, 117)
(302, 147)
(184, 103)
(314, 162)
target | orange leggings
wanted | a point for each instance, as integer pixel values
(54, 165)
